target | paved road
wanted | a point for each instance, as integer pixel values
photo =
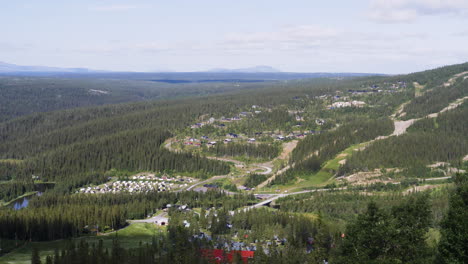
(262, 203)
(205, 181)
(162, 217)
(268, 170)
(435, 179)
(274, 197)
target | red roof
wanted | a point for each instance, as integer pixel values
(220, 255)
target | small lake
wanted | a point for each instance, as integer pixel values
(24, 201)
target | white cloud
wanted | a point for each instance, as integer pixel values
(110, 8)
(286, 38)
(318, 39)
(117, 47)
(463, 33)
(402, 11)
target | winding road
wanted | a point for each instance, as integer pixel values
(400, 128)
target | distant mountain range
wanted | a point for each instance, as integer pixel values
(255, 69)
(13, 68)
(257, 72)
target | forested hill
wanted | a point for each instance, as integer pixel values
(307, 137)
(76, 147)
(27, 93)
(22, 95)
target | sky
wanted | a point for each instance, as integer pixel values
(379, 36)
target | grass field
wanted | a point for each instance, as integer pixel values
(325, 175)
(129, 237)
(418, 89)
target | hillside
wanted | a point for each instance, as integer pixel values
(27, 93)
(341, 143)
(13, 68)
(37, 135)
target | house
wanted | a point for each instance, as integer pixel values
(358, 103)
(227, 140)
(251, 140)
(212, 143)
(340, 104)
(233, 135)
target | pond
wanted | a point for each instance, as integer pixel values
(24, 201)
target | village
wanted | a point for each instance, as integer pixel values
(145, 182)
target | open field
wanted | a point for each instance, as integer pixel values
(129, 237)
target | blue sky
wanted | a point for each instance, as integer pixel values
(386, 36)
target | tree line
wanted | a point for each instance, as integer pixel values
(440, 139)
(51, 216)
(381, 233)
(311, 153)
(256, 151)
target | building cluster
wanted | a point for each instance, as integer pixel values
(379, 88)
(229, 138)
(232, 137)
(139, 184)
(227, 119)
(342, 104)
(397, 85)
(229, 245)
(296, 135)
(164, 178)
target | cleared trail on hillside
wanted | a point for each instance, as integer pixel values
(287, 149)
(400, 126)
(267, 167)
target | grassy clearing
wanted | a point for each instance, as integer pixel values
(130, 237)
(418, 89)
(433, 237)
(322, 177)
(325, 175)
(17, 198)
(13, 161)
